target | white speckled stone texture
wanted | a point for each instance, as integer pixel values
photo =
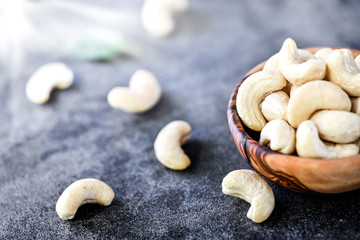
(43, 149)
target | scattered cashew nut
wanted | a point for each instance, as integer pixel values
(157, 15)
(279, 136)
(251, 93)
(251, 187)
(168, 144)
(315, 95)
(45, 79)
(275, 105)
(343, 71)
(143, 93)
(308, 144)
(297, 70)
(337, 126)
(88, 190)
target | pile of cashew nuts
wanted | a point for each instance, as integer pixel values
(305, 103)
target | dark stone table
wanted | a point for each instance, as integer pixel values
(77, 135)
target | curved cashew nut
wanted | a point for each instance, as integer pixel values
(143, 93)
(323, 54)
(250, 94)
(279, 136)
(295, 69)
(315, 95)
(275, 105)
(308, 144)
(343, 71)
(272, 64)
(355, 105)
(251, 187)
(156, 15)
(87, 190)
(337, 126)
(45, 79)
(168, 144)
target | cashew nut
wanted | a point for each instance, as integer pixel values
(279, 136)
(275, 105)
(250, 94)
(295, 69)
(88, 190)
(343, 71)
(355, 105)
(168, 144)
(272, 64)
(323, 54)
(143, 93)
(308, 144)
(337, 126)
(315, 95)
(45, 79)
(157, 15)
(251, 187)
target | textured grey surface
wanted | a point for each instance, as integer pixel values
(76, 135)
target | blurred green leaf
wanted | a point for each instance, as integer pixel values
(99, 48)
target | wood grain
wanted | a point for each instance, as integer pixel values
(293, 172)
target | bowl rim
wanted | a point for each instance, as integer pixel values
(237, 131)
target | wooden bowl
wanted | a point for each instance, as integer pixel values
(290, 171)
